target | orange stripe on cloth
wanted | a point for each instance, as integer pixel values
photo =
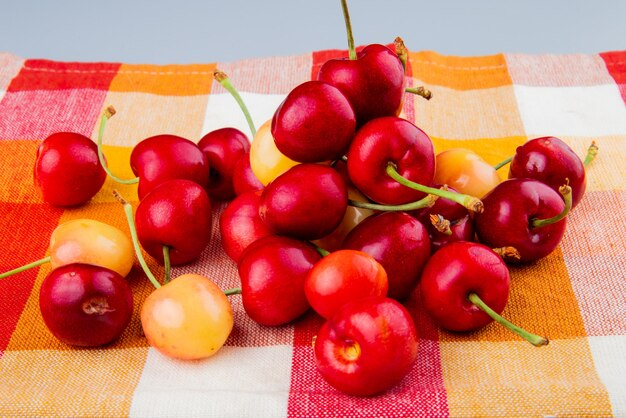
(16, 171)
(166, 80)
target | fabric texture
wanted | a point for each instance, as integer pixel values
(490, 104)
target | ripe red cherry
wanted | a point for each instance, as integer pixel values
(241, 225)
(85, 305)
(373, 82)
(166, 157)
(390, 140)
(176, 214)
(244, 179)
(399, 242)
(67, 169)
(551, 161)
(306, 202)
(222, 148)
(314, 123)
(511, 212)
(272, 272)
(367, 347)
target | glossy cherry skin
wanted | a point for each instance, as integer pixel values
(85, 305)
(399, 242)
(244, 179)
(67, 170)
(241, 225)
(551, 161)
(367, 347)
(390, 140)
(455, 271)
(272, 272)
(306, 202)
(508, 212)
(373, 83)
(314, 123)
(222, 148)
(266, 160)
(465, 171)
(167, 157)
(177, 214)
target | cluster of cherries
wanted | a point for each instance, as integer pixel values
(338, 205)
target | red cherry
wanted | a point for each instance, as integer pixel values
(244, 179)
(306, 202)
(314, 123)
(67, 169)
(176, 214)
(167, 157)
(85, 305)
(222, 148)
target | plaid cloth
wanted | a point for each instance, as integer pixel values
(490, 104)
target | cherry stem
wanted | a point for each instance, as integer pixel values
(25, 267)
(426, 202)
(440, 223)
(321, 251)
(346, 18)
(507, 253)
(233, 291)
(420, 91)
(592, 151)
(106, 115)
(535, 340)
(167, 265)
(470, 202)
(401, 51)
(223, 79)
(503, 163)
(566, 192)
(128, 210)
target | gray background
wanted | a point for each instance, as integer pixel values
(180, 31)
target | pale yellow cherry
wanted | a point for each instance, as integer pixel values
(266, 161)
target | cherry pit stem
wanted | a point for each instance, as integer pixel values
(566, 192)
(346, 18)
(167, 265)
(592, 151)
(420, 91)
(222, 78)
(128, 210)
(106, 115)
(426, 202)
(470, 202)
(25, 267)
(534, 339)
(401, 51)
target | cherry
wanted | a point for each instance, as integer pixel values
(244, 179)
(551, 161)
(174, 221)
(273, 270)
(367, 347)
(314, 123)
(222, 148)
(465, 171)
(266, 161)
(85, 305)
(241, 225)
(465, 286)
(526, 215)
(306, 202)
(399, 242)
(67, 169)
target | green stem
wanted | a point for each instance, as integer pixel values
(25, 267)
(535, 340)
(592, 151)
(106, 115)
(233, 291)
(401, 52)
(346, 18)
(128, 210)
(223, 79)
(321, 251)
(420, 91)
(166, 264)
(503, 163)
(426, 202)
(470, 202)
(566, 192)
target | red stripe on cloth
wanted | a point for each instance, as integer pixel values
(616, 64)
(22, 241)
(55, 75)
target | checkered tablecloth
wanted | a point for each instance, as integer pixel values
(491, 104)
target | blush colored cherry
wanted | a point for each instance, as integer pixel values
(272, 272)
(524, 214)
(465, 286)
(307, 202)
(85, 305)
(222, 148)
(399, 242)
(314, 123)
(241, 225)
(175, 215)
(67, 169)
(465, 171)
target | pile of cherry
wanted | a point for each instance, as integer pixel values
(338, 204)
